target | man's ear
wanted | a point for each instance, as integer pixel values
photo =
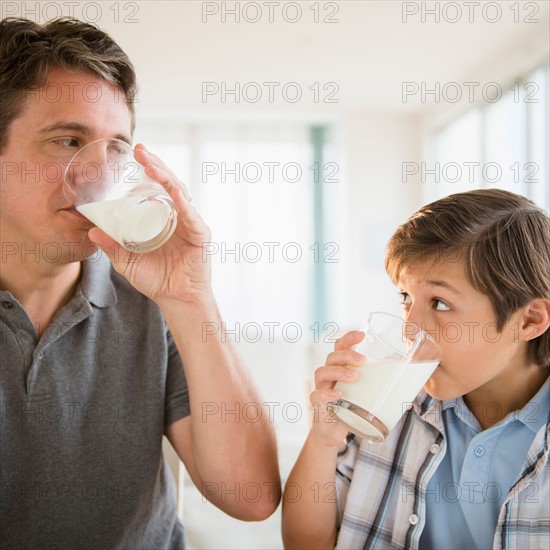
(535, 319)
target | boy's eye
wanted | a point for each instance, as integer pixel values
(405, 298)
(440, 305)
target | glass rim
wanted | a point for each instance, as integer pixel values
(93, 142)
(365, 325)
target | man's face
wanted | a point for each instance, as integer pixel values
(439, 298)
(72, 109)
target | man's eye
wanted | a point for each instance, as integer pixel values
(66, 142)
(405, 298)
(440, 305)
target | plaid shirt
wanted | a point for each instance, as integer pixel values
(382, 487)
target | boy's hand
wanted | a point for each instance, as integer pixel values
(340, 366)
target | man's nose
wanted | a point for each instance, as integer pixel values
(97, 153)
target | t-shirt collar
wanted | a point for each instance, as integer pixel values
(95, 282)
(533, 415)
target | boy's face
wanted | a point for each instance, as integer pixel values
(439, 298)
(72, 109)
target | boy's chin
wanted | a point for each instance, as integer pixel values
(438, 392)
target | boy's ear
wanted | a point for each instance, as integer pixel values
(535, 319)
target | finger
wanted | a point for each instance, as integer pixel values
(346, 357)
(349, 339)
(165, 176)
(167, 179)
(197, 232)
(144, 156)
(327, 376)
(323, 397)
(156, 169)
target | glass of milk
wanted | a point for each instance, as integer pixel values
(401, 357)
(105, 183)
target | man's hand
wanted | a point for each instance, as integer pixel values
(234, 451)
(176, 269)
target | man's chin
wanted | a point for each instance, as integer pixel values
(66, 251)
(91, 250)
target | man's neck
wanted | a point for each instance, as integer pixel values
(42, 288)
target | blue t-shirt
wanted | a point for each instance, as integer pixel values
(465, 495)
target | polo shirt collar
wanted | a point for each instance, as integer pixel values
(534, 415)
(95, 282)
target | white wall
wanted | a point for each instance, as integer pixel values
(366, 206)
(377, 201)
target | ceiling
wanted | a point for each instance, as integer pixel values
(363, 59)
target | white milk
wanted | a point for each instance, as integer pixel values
(384, 388)
(127, 220)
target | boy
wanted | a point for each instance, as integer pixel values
(465, 467)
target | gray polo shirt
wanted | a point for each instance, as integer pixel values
(83, 410)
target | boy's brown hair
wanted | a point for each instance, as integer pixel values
(28, 51)
(504, 239)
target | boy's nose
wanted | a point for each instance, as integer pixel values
(422, 320)
(412, 315)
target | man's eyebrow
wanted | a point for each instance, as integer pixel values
(81, 129)
(445, 285)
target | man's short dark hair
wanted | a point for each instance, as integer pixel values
(28, 51)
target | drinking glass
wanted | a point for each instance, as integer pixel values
(400, 358)
(105, 183)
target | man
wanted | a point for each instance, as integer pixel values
(103, 352)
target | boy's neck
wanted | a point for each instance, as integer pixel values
(42, 288)
(504, 398)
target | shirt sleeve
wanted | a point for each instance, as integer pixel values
(176, 404)
(345, 465)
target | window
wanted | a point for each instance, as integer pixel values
(459, 149)
(254, 187)
(537, 121)
(501, 144)
(505, 144)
